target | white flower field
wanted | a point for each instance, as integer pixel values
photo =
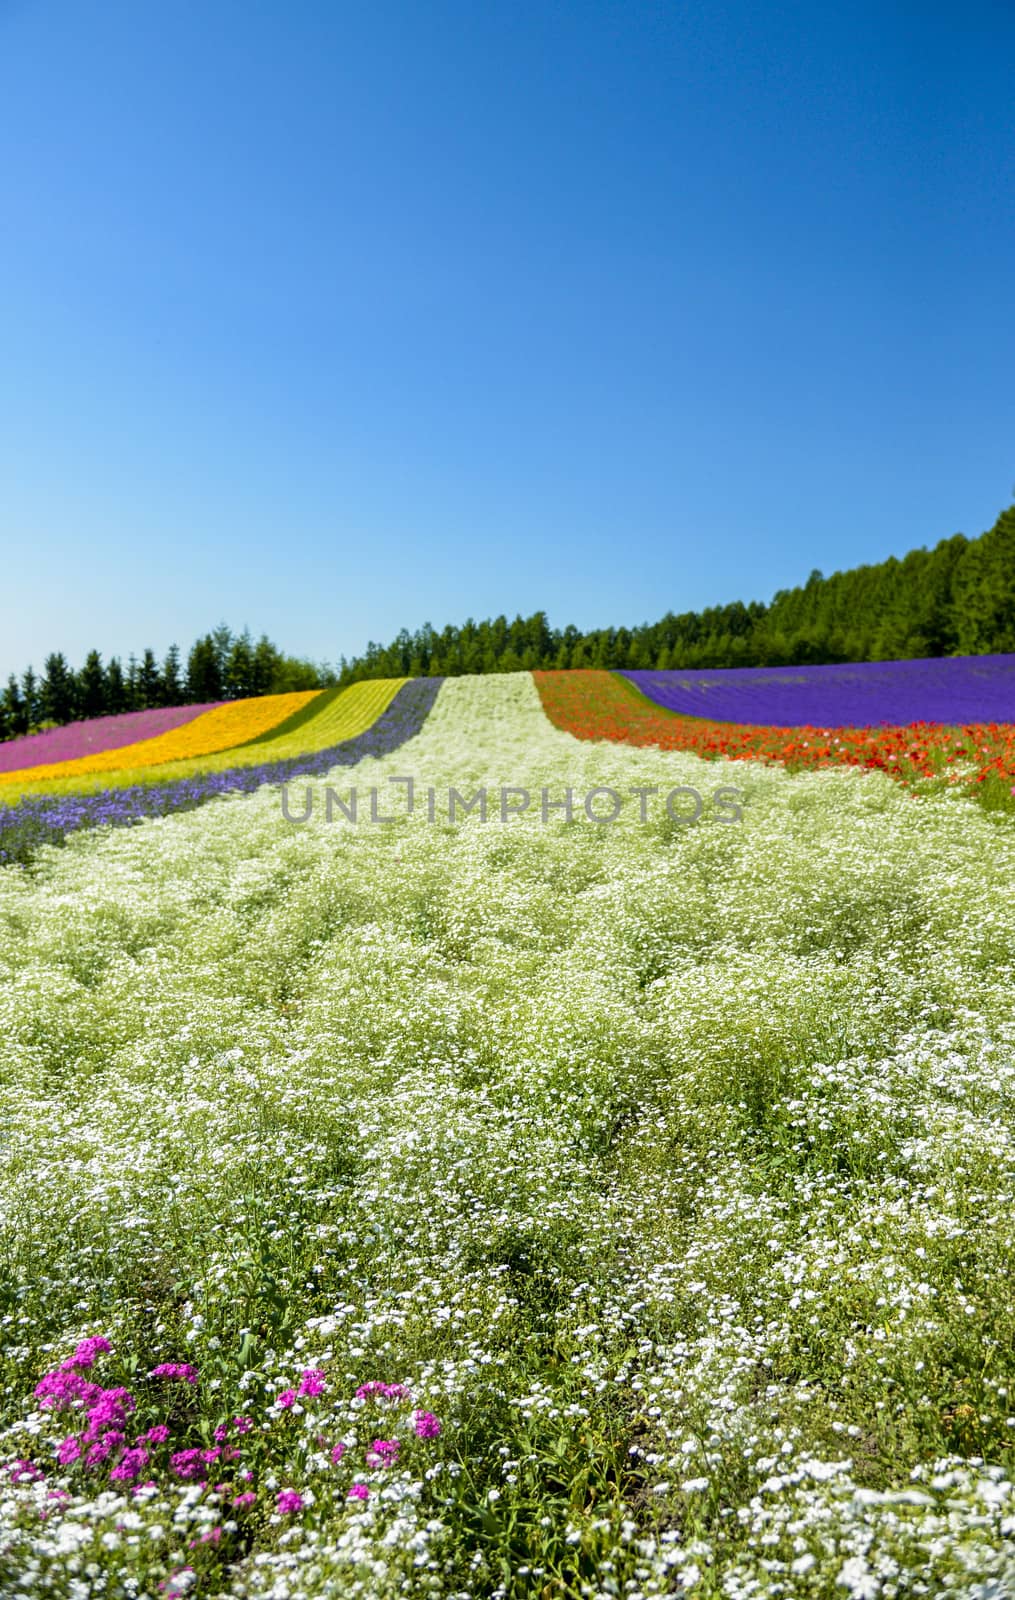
(663, 1172)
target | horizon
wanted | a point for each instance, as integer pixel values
(327, 323)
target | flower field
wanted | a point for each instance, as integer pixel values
(605, 705)
(325, 719)
(510, 1209)
(949, 689)
(62, 808)
(236, 723)
(79, 739)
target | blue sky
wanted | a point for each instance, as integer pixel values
(331, 319)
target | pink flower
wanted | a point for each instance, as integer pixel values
(210, 1536)
(338, 1451)
(102, 1448)
(286, 1398)
(157, 1435)
(383, 1453)
(69, 1451)
(22, 1471)
(312, 1381)
(242, 1424)
(130, 1466)
(86, 1352)
(110, 1410)
(187, 1465)
(245, 1499)
(65, 1388)
(359, 1491)
(382, 1391)
(175, 1369)
(289, 1502)
(427, 1426)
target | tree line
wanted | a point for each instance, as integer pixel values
(955, 599)
(220, 666)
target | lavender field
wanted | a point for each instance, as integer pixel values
(951, 689)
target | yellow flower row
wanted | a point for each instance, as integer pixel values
(219, 729)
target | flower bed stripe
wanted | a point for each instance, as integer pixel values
(228, 725)
(45, 819)
(592, 704)
(951, 690)
(332, 716)
(97, 734)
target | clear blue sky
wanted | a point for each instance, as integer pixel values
(328, 319)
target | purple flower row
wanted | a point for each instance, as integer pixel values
(955, 690)
(47, 819)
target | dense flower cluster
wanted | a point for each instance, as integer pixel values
(651, 1188)
(324, 719)
(605, 705)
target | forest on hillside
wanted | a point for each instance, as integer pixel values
(955, 599)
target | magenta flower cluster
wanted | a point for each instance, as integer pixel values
(104, 1437)
(382, 1391)
(426, 1424)
(106, 1411)
(102, 1440)
(383, 1453)
(175, 1369)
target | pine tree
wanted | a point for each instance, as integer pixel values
(204, 680)
(172, 679)
(14, 707)
(265, 666)
(133, 695)
(116, 689)
(149, 682)
(238, 676)
(221, 642)
(92, 687)
(57, 690)
(30, 696)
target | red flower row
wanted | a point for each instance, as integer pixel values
(601, 705)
